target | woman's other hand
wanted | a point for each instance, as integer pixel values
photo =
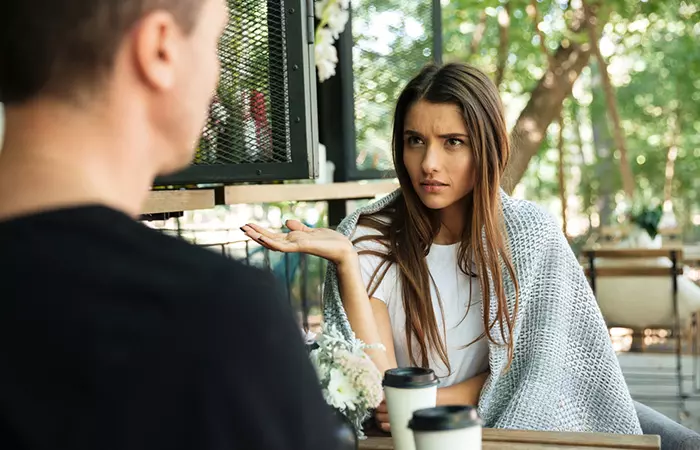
(466, 392)
(321, 242)
(381, 416)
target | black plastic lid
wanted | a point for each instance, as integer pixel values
(442, 418)
(410, 378)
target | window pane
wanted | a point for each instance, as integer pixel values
(392, 42)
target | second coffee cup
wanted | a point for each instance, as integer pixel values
(406, 390)
(454, 427)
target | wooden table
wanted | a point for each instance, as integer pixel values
(163, 201)
(494, 439)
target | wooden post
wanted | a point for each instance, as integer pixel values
(618, 135)
(562, 181)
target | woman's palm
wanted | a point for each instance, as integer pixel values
(321, 242)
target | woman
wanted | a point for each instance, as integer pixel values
(451, 273)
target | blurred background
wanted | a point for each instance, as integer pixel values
(603, 102)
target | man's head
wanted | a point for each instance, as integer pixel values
(160, 56)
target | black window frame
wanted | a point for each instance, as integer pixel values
(303, 114)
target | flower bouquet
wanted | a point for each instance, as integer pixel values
(332, 16)
(350, 381)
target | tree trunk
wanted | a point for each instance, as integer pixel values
(585, 183)
(503, 43)
(534, 15)
(544, 106)
(602, 143)
(618, 134)
(478, 34)
(562, 179)
(671, 156)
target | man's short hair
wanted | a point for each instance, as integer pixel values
(62, 46)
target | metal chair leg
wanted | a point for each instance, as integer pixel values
(677, 332)
(694, 349)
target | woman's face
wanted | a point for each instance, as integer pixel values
(436, 154)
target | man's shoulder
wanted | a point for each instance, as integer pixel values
(110, 249)
(211, 267)
(223, 297)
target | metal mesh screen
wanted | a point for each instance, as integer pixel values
(393, 40)
(249, 115)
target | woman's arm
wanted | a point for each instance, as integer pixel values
(369, 318)
(465, 393)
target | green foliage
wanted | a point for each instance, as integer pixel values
(647, 218)
(654, 62)
(660, 101)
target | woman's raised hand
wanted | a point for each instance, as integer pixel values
(322, 242)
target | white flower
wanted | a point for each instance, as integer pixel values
(326, 70)
(308, 336)
(341, 394)
(350, 381)
(320, 6)
(325, 54)
(337, 18)
(333, 15)
(324, 48)
(322, 369)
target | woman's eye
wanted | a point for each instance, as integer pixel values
(453, 142)
(414, 140)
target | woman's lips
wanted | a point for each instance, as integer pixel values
(433, 187)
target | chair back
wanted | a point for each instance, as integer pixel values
(674, 436)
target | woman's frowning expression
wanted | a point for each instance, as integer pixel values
(436, 153)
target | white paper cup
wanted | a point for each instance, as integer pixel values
(407, 389)
(446, 427)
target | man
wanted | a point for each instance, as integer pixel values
(114, 336)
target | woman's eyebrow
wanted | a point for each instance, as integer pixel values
(453, 135)
(443, 136)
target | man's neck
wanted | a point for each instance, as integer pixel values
(55, 157)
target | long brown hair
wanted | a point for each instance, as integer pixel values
(411, 226)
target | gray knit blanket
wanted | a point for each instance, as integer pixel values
(565, 375)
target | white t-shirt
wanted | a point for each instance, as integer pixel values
(454, 287)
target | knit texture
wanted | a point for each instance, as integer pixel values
(565, 375)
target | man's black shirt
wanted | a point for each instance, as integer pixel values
(116, 336)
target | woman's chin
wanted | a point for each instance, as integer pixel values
(434, 202)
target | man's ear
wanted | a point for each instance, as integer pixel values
(156, 40)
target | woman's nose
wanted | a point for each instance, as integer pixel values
(431, 159)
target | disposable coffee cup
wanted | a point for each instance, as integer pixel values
(446, 427)
(406, 390)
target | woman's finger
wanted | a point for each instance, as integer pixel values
(295, 225)
(251, 232)
(262, 239)
(278, 245)
(260, 232)
(382, 407)
(257, 238)
(382, 417)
